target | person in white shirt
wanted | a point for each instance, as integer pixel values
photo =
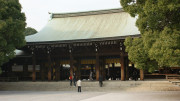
(79, 85)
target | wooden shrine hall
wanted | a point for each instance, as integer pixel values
(80, 43)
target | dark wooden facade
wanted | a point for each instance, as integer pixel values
(95, 56)
(74, 53)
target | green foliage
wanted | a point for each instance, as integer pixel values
(138, 55)
(12, 26)
(166, 50)
(159, 24)
(30, 31)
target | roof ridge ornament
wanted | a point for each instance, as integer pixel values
(86, 13)
(51, 15)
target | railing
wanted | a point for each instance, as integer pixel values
(8, 79)
(175, 77)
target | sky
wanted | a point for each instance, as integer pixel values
(36, 11)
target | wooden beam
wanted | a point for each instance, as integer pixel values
(9, 66)
(78, 69)
(141, 74)
(103, 69)
(25, 70)
(71, 64)
(49, 67)
(34, 68)
(127, 68)
(113, 70)
(57, 66)
(85, 53)
(42, 70)
(97, 66)
(122, 67)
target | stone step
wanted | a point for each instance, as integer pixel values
(91, 86)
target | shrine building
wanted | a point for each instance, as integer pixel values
(80, 43)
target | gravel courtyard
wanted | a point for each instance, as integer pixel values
(88, 96)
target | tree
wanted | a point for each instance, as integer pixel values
(159, 25)
(138, 55)
(12, 26)
(30, 31)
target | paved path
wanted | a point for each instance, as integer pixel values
(88, 96)
(145, 96)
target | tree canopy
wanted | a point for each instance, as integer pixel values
(159, 24)
(29, 31)
(12, 26)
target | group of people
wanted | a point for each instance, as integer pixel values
(73, 80)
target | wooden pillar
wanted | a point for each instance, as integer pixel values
(113, 72)
(60, 71)
(57, 66)
(97, 66)
(49, 67)
(42, 69)
(127, 68)
(25, 71)
(108, 72)
(34, 68)
(6, 70)
(9, 69)
(71, 64)
(141, 74)
(92, 67)
(103, 69)
(122, 66)
(78, 68)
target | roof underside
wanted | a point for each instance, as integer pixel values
(82, 26)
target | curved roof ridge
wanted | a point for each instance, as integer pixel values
(87, 13)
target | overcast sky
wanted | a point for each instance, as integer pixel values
(36, 11)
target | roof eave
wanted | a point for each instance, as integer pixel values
(84, 40)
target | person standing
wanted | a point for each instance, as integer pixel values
(70, 78)
(74, 79)
(79, 85)
(100, 80)
(135, 75)
(90, 76)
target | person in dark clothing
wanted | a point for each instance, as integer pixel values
(74, 79)
(100, 80)
(135, 75)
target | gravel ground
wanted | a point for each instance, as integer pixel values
(88, 96)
